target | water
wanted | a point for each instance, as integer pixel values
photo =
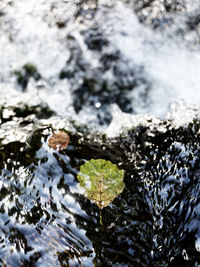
(155, 220)
(106, 76)
(122, 61)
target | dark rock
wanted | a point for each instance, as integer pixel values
(90, 86)
(94, 39)
(193, 22)
(108, 59)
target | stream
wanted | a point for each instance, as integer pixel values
(121, 78)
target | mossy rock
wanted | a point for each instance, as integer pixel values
(23, 76)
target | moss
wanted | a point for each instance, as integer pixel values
(23, 76)
(30, 69)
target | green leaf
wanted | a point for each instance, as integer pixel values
(102, 181)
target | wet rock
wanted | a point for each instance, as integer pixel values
(153, 221)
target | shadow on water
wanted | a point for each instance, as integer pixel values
(45, 219)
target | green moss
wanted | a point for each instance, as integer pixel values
(28, 71)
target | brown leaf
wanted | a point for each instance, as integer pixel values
(59, 140)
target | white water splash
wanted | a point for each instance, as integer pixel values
(28, 34)
(171, 67)
(179, 114)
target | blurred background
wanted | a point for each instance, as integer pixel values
(80, 57)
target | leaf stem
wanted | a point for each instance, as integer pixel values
(100, 215)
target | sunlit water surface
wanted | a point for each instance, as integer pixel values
(45, 220)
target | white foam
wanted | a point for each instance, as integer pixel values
(171, 68)
(122, 121)
(179, 114)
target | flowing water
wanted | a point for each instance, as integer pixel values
(108, 65)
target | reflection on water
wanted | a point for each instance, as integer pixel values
(142, 57)
(46, 218)
(37, 214)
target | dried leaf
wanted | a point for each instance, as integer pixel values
(59, 140)
(102, 181)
